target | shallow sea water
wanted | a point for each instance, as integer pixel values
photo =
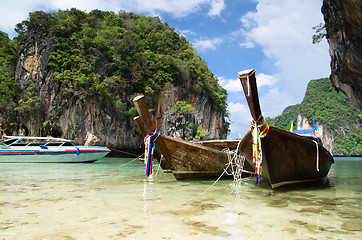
(111, 200)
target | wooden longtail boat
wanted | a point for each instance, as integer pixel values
(186, 160)
(287, 158)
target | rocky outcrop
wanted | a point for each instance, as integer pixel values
(182, 125)
(321, 132)
(343, 21)
(60, 113)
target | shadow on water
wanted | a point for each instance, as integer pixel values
(323, 183)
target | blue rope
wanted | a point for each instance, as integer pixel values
(151, 148)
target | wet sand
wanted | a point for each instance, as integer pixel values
(106, 201)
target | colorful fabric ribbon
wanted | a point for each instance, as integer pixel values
(149, 149)
(258, 132)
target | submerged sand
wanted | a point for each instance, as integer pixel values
(104, 201)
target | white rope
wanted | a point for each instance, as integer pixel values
(317, 155)
(237, 162)
(209, 186)
(158, 168)
(134, 159)
(128, 153)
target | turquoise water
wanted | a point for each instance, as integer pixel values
(111, 199)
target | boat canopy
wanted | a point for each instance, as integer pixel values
(304, 131)
(307, 131)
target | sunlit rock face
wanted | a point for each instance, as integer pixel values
(343, 21)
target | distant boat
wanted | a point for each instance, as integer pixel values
(186, 160)
(280, 157)
(21, 149)
(309, 133)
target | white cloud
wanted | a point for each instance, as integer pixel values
(234, 85)
(237, 108)
(272, 101)
(247, 44)
(13, 12)
(231, 85)
(265, 80)
(248, 20)
(216, 7)
(283, 29)
(174, 7)
(207, 44)
(240, 119)
(186, 32)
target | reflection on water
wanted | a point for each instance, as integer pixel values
(111, 200)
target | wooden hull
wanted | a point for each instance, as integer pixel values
(289, 158)
(186, 160)
(191, 160)
(221, 144)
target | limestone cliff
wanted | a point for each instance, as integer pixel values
(50, 105)
(179, 125)
(343, 22)
(59, 113)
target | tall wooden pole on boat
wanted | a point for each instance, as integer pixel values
(248, 81)
(140, 125)
(141, 106)
(143, 130)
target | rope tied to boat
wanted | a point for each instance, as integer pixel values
(258, 132)
(236, 163)
(317, 163)
(149, 150)
(263, 128)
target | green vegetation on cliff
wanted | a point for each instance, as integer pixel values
(8, 59)
(331, 109)
(116, 56)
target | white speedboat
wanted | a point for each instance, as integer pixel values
(16, 149)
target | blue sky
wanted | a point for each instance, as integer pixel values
(272, 36)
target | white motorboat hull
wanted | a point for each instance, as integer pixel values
(71, 154)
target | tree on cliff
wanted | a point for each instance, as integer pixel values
(8, 59)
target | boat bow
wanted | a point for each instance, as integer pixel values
(279, 156)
